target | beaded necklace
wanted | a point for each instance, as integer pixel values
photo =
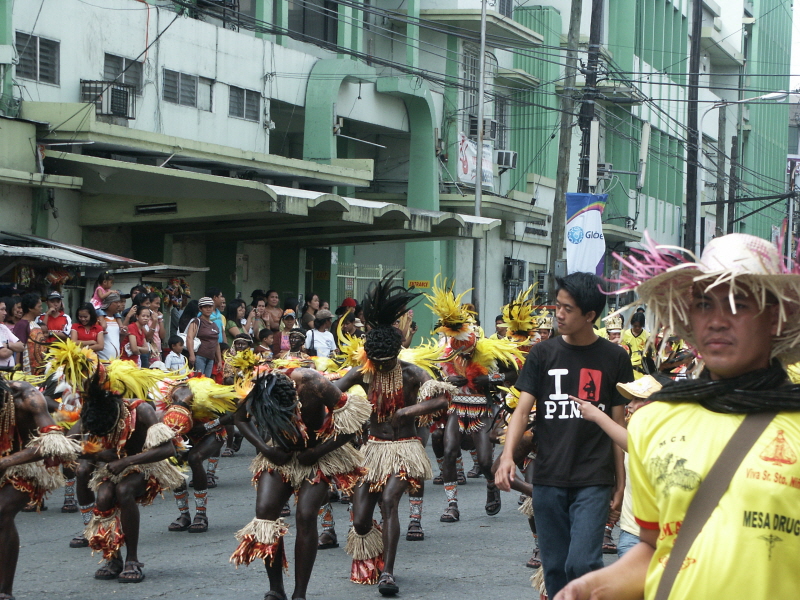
(386, 391)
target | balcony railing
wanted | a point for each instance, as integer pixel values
(110, 98)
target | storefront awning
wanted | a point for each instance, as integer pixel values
(101, 257)
(161, 200)
(55, 256)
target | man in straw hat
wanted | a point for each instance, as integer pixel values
(577, 467)
(738, 307)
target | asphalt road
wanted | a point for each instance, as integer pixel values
(479, 557)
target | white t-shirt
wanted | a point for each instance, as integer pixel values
(321, 340)
(7, 336)
(111, 339)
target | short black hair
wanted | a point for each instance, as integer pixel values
(640, 309)
(499, 318)
(586, 289)
(264, 334)
(637, 318)
(29, 301)
(213, 292)
(174, 339)
(137, 289)
(383, 342)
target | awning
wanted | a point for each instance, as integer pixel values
(160, 200)
(101, 257)
(54, 256)
(160, 271)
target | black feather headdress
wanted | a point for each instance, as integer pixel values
(385, 302)
(272, 403)
(101, 408)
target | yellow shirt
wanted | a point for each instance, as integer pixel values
(750, 546)
(636, 346)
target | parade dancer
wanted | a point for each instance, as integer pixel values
(127, 448)
(199, 410)
(309, 423)
(478, 361)
(32, 448)
(395, 458)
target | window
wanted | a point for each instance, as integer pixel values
(188, 90)
(315, 19)
(471, 73)
(38, 58)
(505, 7)
(244, 104)
(123, 70)
(501, 114)
(513, 278)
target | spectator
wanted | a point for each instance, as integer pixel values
(30, 334)
(287, 324)
(13, 311)
(189, 314)
(142, 303)
(310, 309)
(86, 331)
(319, 341)
(109, 316)
(348, 326)
(204, 329)
(157, 325)
(259, 318)
(137, 346)
(265, 340)
(236, 323)
(176, 361)
(219, 306)
(273, 311)
(577, 467)
(102, 289)
(177, 306)
(54, 322)
(9, 343)
(135, 291)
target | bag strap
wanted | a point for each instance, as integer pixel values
(709, 494)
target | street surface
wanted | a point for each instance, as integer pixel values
(478, 557)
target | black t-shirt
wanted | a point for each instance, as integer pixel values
(573, 452)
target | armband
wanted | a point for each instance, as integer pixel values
(211, 425)
(497, 377)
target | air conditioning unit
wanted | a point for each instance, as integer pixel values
(110, 98)
(506, 159)
(115, 101)
(489, 129)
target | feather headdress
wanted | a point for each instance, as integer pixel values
(124, 378)
(244, 363)
(491, 354)
(453, 318)
(386, 302)
(427, 356)
(210, 399)
(69, 363)
(351, 348)
(519, 315)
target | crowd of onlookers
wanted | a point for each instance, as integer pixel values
(170, 329)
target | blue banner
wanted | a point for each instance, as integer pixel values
(586, 245)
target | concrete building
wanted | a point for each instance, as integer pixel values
(315, 144)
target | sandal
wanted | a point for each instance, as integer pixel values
(415, 533)
(535, 561)
(182, 523)
(110, 569)
(327, 539)
(228, 452)
(276, 595)
(132, 573)
(438, 480)
(461, 478)
(474, 472)
(451, 514)
(609, 547)
(345, 498)
(286, 511)
(211, 479)
(70, 507)
(79, 541)
(493, 503)
(6, 597)
(200, 524)
(32, 507)
(387, 585)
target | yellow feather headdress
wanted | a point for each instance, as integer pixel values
(427, 356)
(244, 363)
(69, 362)
(519, 315)
(351, 348)
(454, 319)
(210, 398)
(123, 377)
(490, 353)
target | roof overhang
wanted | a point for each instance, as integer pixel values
(618, 233)
(721, 51)
(501, 32)
(160, 200)
(102, 257)
(26, 179)
(36, 254)
(512, 208)
(160, 271)
(74, 121)
(516, 78)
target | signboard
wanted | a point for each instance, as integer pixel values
(419, 284)
(586, 245)
(468, 159)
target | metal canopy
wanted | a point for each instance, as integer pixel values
(160, 200)
(55, 256)
(100, 257)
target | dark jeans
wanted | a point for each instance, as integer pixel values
(570, 524)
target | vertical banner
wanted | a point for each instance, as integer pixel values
(468, 162)
(586, 246)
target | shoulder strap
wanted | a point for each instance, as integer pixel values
(709, 494)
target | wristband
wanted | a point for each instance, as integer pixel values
(497, 377)
(211, 425)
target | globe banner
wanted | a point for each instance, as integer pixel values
(586, 246)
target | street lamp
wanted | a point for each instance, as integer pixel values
(777, 96)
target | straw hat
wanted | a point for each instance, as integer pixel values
(664, 279)
(639, 389)
(614, 323)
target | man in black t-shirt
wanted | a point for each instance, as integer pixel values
(577, 466)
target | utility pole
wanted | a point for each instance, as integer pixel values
(733, 183)
(590, 93)
(476, 243)
(694, 135)
(720, 197)
(564, 145)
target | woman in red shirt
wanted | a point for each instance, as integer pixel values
(86, 331)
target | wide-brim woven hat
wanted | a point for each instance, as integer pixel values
(664, 281)
(639, 389)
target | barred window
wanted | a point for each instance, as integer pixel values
(38, 58)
